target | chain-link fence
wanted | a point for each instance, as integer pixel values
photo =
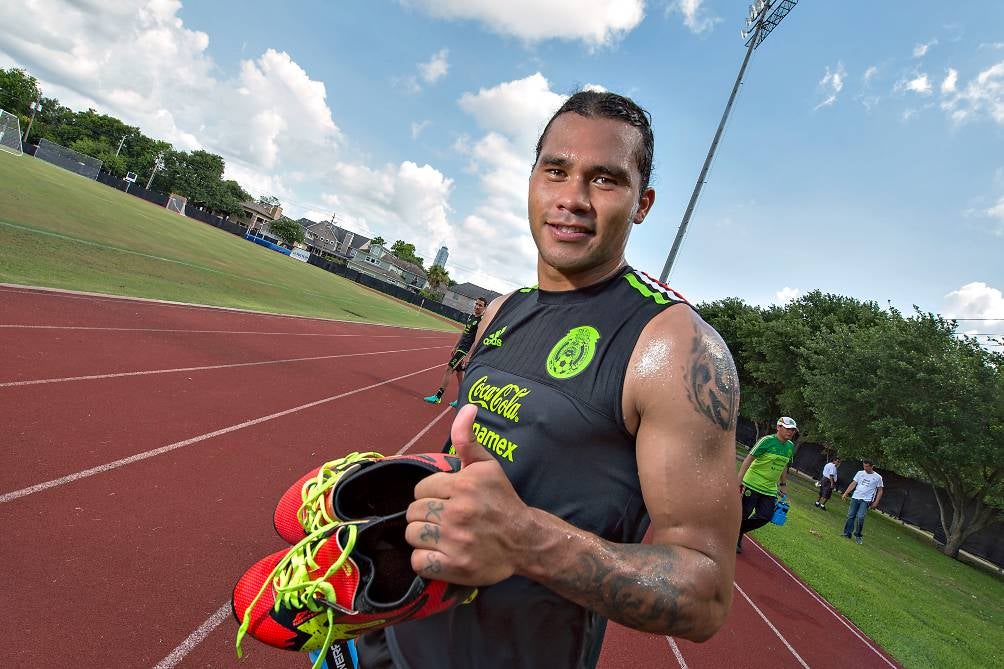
(68, 159)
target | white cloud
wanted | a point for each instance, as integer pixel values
(920, 50)
(417, 127)
(983, 96)
(996, 212)
(436, 68)
(948, 84)
(695, 17)
(869, 74)
(919, 84)
(976, 300)
(595, 22)
(786, 295)
(831, 84)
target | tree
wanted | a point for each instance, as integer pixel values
(287, 230)
(269, 201)
(930, 405)
(406, 252)
(228, 198)
(18, 90)
(378, 241)
(437, 277)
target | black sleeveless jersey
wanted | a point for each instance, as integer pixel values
(548, 377)
(469, 333)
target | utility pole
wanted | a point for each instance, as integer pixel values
(760, 23)
(36, 106)
(157, 164)
(121, 142)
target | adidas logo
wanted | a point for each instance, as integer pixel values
(495, 338)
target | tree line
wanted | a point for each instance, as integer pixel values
(906, 391)
(122, 148)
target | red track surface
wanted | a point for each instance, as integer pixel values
(132, 498)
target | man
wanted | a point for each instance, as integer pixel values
(764, 473)
(605, 403)
(460, 352)
(866, 493)
(829, 483)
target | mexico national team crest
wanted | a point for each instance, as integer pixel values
(573, 353)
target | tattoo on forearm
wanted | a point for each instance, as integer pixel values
(644, 597)
(430, 532)
(713, 384)
(434, 511)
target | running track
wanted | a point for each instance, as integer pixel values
(145, 444)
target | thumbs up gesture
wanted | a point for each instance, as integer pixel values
(468, 527)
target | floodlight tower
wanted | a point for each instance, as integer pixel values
(764, 16)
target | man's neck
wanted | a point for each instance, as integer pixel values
(549, 278)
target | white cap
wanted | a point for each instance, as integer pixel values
(789, 423)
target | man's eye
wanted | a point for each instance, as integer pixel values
(554, 172)
(605, 181)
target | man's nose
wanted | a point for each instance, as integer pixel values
(574, 196)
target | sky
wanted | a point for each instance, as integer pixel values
(864, 155)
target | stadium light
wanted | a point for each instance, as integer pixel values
(764, 16)
(36, 106)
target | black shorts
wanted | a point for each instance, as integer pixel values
(826, 488)
(758, 506)
(458, 357)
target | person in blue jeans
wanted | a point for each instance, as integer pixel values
(865, 491)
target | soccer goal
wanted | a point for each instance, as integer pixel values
(10, 133)
(176, 203)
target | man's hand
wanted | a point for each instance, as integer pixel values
(844, 496)
(467, 527)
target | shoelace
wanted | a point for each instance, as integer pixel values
(313, 512)
(294, 588)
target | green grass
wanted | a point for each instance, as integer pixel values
(925, 608)
(61, 230)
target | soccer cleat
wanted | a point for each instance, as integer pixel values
(857, 540)
(453, 404)
(336, 584)
(433, 399)
(356, 487)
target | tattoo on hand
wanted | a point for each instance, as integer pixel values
(435, 510)
(713, 382)
(432, 565)
(430, 532)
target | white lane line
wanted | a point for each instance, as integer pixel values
(771, 625)
(215, 620)
(826, 605)
(44, 291)
(16, 326)
(176, 370)
(676, 652)
(422, 432)
(195, 638)
(100, 469)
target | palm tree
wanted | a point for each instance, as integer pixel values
(437, 277)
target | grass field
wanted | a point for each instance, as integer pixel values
(926, 609)
(60, 230)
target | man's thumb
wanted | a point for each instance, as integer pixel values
(462, 436)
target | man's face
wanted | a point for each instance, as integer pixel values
(479, 308)
(583, 195)
(868, 467)
(785, 433)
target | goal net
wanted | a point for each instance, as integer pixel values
(68, 159)
(176, 203)
(10, 133)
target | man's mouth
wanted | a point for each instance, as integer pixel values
(568, 232)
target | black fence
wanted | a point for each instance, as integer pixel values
(161, 200)
(910, 501)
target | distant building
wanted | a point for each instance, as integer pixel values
(256, 217)
(380, 263)
(326, 238)
(463, 295)
(441, 257)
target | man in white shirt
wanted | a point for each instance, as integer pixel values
(867, 491)
(829, 483)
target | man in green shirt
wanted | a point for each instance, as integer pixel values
(762, 474)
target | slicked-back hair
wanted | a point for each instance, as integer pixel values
(596, 104)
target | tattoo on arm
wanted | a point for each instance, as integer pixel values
(434, 510)
(644, 597)
(713, 384)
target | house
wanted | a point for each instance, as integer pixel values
(380, 263)
(463, 295)
(326, 238)
(257, 216)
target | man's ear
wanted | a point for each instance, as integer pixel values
(645, 203)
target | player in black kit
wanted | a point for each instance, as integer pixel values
(460, 352)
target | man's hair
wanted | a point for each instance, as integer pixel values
(594, 104)
(866, 462)
(481, 299)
